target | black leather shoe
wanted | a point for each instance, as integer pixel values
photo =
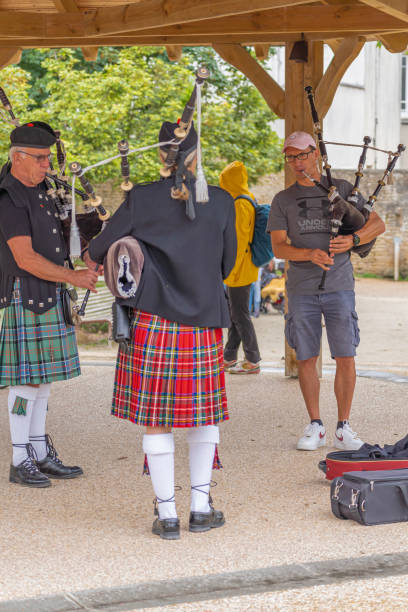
(27, 474)
(167, 529)
(204, 521)
(53, 467)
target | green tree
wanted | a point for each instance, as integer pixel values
(128, 93)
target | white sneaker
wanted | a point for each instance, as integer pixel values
(347, 439)
(313, 437)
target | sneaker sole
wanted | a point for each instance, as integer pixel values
(321, 443)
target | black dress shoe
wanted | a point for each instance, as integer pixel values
(204, 521)
(167, 529)
(27, 474)
(53, 467)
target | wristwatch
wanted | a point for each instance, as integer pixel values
(356, 240)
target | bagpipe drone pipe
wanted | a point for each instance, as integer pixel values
(345, 218)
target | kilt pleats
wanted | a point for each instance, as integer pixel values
(172, 375)
(36, 348)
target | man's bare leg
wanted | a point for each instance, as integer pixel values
(310, 385)
(344, 385)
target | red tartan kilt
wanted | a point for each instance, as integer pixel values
(172, 375)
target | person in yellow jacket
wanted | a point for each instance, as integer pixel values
(234, 179)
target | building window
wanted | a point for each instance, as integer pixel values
(404, 86)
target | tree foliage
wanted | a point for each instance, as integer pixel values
(127, 93)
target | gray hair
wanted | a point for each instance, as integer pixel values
(12, 151)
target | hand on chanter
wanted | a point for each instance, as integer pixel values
(85, 278)
(340, 244)
(91, 264)
(321, 259)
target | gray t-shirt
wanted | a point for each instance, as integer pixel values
(303, 212)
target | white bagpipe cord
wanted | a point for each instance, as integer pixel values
(74, 238)
(201, 183)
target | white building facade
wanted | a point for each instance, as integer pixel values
(371, 100)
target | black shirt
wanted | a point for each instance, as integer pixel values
(185, 261)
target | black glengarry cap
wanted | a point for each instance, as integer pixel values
(35, 134)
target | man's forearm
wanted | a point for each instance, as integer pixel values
(373, 228)
(287, 251)
(39, 266)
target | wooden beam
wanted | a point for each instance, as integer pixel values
(9, 56)
(298, 117)
(344, 56)
(69, 6)
(66, 6)
(174, 52)
(348, 18)
(394, 43)
(395, 8)
(239, 57)
(262, 51)
(205, 40)
(90, 53)
(159, 13)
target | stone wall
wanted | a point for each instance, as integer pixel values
(392, 206)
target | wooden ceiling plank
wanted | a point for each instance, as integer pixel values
(205, 40)
(9, 55)
(395, 8)
(394, 43)
(266, 85)
(262, 51)
(174, 52)
(159, 13)
(344, 56)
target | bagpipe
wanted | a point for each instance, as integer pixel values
(345, 217)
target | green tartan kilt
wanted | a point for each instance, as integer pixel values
(36, 348)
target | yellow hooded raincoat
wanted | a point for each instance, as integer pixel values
(234, 179)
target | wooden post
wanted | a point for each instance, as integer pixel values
(298, 117)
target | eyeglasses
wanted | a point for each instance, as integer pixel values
(38, 158)
(300, 156)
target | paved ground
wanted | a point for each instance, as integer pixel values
(94, 533)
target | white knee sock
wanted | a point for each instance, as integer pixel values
(38, 418)
(159, 449)
(21, 400)
(201, 441)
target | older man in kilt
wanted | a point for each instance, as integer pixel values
(36, 345)
(173, 375)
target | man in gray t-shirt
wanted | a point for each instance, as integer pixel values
(301, 213)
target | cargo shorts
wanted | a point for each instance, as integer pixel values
(303, 326)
